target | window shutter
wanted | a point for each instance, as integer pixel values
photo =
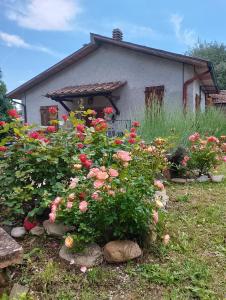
(46, 117)
(154, 93)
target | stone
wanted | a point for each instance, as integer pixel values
(203, 178)
(179, 180)
(18, 232)
(37, 230)
(217, 178)
(55, 229)
(91, 256)
(10, 251)
(162, 196)
(190, 180)
(18, 291)
(121, 251)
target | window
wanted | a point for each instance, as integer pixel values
(154, 93)
(46, 117)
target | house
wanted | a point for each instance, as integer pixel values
(219, 100)
(110, 71)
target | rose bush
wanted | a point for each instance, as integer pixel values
(203, 154)
(103, 186)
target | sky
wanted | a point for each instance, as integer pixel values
(35, 34)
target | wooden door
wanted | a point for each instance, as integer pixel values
(46, 117)
(154, 93)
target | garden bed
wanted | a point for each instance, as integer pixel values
(192, 267)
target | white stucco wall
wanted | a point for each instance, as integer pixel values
(112, 63)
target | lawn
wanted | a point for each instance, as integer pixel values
(192, 267)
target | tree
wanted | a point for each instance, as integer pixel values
(5, 103)
(216, 53)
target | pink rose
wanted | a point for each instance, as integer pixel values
(194, 137)
(93, 172)
(123, 155)
(73, 183)
(155, 217)
(212, 139)
(83, 206)
(111, 193)
(159, 184)
(96, 196)
(57, 200)
(113, 173)
(102, 175)
(52, 217)
(98, 184)
(69, 204)
(224, 158)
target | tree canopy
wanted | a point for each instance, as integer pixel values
(216, 53)
(5, 103)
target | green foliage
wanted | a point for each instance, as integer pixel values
(66, 169)
(216, 53)
(5, 103)
(177, 127)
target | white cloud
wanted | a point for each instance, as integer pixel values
(11, 40)
(56, 15)
(186, 36)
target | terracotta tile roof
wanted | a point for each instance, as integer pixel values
(219, 98)
(86, 89)
(96, 41)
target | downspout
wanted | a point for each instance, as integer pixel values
(187, 83)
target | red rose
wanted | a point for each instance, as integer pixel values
(82, 196)
(82, 157)
(136, 124)
(108, 110)
(52, 110)
(2, 123)
(65, 117)
(132, 135)
(29, 225)
(80, 145)
(13, 113)
(80, 127)
(51, 128)
(118, 142)
(101, 126)
(34, 135)
(88, 163)
(133, 129)
(132, 141)
(3, 148)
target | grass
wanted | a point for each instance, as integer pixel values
(177, 126)
(193, 266)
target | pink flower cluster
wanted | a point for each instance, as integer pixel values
(212, 139)
(100, 175)
(124, 156)
(55, 204)
(159, 184)
(185, 160)
(194, 137)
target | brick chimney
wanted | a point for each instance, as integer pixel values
(117, 34)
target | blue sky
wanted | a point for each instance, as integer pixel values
(35, 34)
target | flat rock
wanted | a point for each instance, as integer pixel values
(37, 230)
(18, 232)
(10, 251)
(179, 180)
(18, 291)
(55, 229)
(217, 178)
(203, 178)
(121, 251)
(89, 257)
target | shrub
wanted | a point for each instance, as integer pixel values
(103, 186)
(203, 154)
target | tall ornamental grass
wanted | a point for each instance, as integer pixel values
(177, 126)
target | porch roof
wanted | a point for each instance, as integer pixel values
(85, 90)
